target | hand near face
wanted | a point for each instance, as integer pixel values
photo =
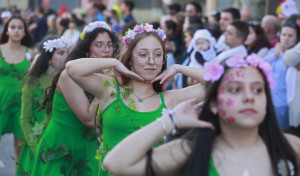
(166, 76)
(120, 69)
(187, 113)
(278, 49)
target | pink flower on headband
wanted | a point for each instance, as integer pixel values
(213, 71)
(138, 29)
(236, 61)
(253, 60)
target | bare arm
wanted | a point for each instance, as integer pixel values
(77, 100)
(127, 158)
(292, 56)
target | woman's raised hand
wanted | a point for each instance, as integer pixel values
(186, 115)
(166, 76)
(120, 69)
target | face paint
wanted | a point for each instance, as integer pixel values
(221, 101)
(229, 78)
(221, 90)
(222, 112)
(229, 102)
(231, 119)
(240, 73)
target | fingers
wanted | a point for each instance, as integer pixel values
(203, 124)
(134, 76)
(158, 77)
(165, 85)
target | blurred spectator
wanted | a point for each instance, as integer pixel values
(227, 17)
(72, 33)
(173, 8)
(285, 9)
(4, 17)
(94, 12)
(170, 50)
(129, 25)
(192, 8)
(190, 20)
(51, 25)
(214, 17)
(289, 37)
(214, 29)
(235, 37)
(257, 41)
(295, 18)
(246, 15)
(62, 24)
(126, 8)
(112, 20)
(39, 28)
(271, 26)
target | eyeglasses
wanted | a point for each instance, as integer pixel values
(103, 46)
(143, 59)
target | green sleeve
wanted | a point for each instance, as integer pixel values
(27, 114)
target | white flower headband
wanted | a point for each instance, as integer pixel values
(138, 29)
(61, 42)
(91, 26)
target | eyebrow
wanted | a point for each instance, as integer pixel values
(148, 49)
(239, 82)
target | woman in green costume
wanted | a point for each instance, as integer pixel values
(14, 63)
(135, 100)
(235, 134)
(68, 145)
(34, 121)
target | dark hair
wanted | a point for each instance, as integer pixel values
(216, 15)
(129, 3)
(174, 7)
(170, 24)
(235, 13)
(294, 26)
(195, 19)
(65, 23)
(214, 29)
(293, 18)
(242, 28)
(277, 145)
(261, 40)
(193, 28)
(126, 56)
(26, 40)
(128, 25)
(156, 25)
(197, 6)
(81, 50)
(99, 6)
(42, 61)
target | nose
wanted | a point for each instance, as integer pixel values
(248, 96)
(151, 60)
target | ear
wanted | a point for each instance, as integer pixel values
(214, 107)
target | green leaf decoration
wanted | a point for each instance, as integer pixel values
(112, 94)
(63, 169)
(106, 83)
(98, 155)
(132, 101)
(115, 82)
(118, 108)
(111, 75)
(43, 157)
(63, 150)
(126, 84)
(127, 92)
(98, 111)
(51, 154)
(38, 129)
(132, 107)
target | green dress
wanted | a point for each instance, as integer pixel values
(33, 122)
(119, 121)
(212, 170)
(67, 146)
(11, 77)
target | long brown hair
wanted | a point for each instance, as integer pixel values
(126, 56)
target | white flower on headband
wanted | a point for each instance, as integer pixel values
(62, 42)
(138, 29)
(92, 26)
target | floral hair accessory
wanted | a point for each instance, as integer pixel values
(91, 26)
(214, 70)
(138, 29)
(61, 42)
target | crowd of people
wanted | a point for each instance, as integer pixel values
(96, 93)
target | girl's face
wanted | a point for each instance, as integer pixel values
(202, 44)
(102, 46)
(16, 30)
(241, 99)
(288, 37)
(147, 58)
(251, 37)
(187, 39)
(59, 57)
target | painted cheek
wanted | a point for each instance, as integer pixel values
(240, 73)
(222, 112)
(221, 90)
(220, 101)
(229, 78)
(229, 102)
(231, 119)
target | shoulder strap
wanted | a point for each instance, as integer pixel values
(27, 49)
(161, 96)
(118, 89)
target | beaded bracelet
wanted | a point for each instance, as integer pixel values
(171, 115)
(163, 125)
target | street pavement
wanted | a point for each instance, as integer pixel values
(7, 166)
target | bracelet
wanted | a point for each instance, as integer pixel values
(163, 125)
(171, 115)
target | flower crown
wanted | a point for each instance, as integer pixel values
(214, 70)
(91, 26)
(61, 42)
(138, 29)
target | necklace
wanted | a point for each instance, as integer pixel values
(142, 99)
